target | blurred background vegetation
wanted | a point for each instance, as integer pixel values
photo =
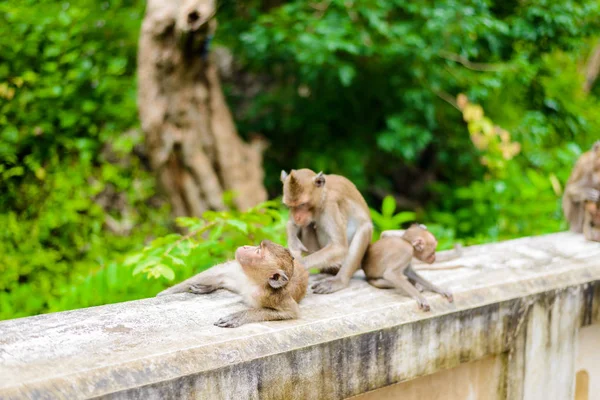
(467, 116)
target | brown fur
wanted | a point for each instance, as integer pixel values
(267, 276)
(329, 221)
(387, 263)
(591, 225)
(583, 185)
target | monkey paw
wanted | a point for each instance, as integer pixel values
(231, 321)
(201, 289)
(423, 305)
(448, 296)
(328, 285)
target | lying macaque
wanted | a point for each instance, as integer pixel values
(591, 223)
(388, 263)
(329, 220)
(269, 279)
(583, 187)
(419, 265)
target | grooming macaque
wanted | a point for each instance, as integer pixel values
(330, 221)
(269, 279)
(388, 263)
(591, 223)
(583, 187)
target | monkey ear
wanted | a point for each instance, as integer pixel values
(319, 180)
(423, 226)
(419, 244)
(278, 280)
(283, 175)
(596, 146)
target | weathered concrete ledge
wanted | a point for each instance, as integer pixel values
(523, 300)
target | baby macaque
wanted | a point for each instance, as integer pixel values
(591, 223)
(329, 220)
(269, 279)
(419, 265)
(388, 263)
(583, 187)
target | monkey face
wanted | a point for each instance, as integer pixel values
(302, 214)
(302, 193)
(267, 262)
(424, 243)
(248, 256)
(428, 257)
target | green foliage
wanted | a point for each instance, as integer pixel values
(388, 74)
(387, 220)
(67, 95)
(211, 239)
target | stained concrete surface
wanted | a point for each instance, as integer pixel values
(345, 343)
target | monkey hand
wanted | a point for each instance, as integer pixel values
(296, 246)
(233, 320)
(329, 285)
(296, 254)
(592, 195)
(202, 289)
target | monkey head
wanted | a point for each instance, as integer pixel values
(303, 191)
(267, 262)
(423, 242)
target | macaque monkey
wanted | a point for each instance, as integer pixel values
(591, 223)
(388, 263)
(582, 187)
(269, 279)
(330, 221)
(419, 265)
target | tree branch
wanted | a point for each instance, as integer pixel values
(475, 66)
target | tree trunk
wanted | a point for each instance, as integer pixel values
(192, 140)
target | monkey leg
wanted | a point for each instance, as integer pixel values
(416, 285)
(327, 257)
(228, 276)
(331, 270)
(381, 283)
(418, 279)
(400, 281)
(351, 263)
(258, 315)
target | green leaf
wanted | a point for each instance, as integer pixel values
(132, 259)
(403, 217)
(346, 73)
(239, 225)
(388, 206)
(177, 261)
(151, 261)
(165, 271)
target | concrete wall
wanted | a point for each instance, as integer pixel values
(523, 325)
